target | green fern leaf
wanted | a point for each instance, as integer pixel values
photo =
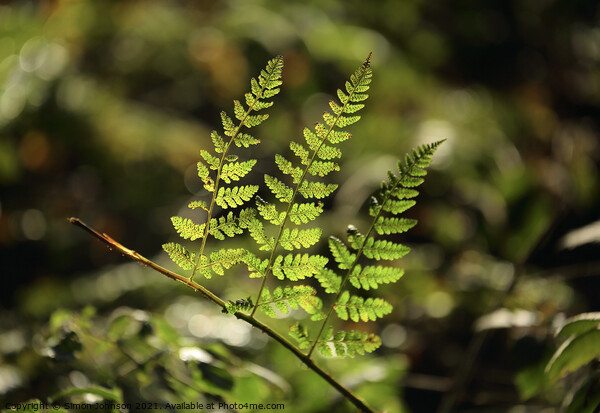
(371, 276)
(329, 280)
(298, 238)
(269, 211)
(236, 170)
(297, 267)
(317, 190)
(348, 343)
(294, 297)
(228, 126)
(203, 171)
(287, 168)
(322, 168)
(224, 226)
(340, 253)
(238, 110)
(235, 196)
(303, 213)
(329, 152)
(218, 142)
(301, 152)
(257, 231)
(279, 189)
(212, 161)
(397, 207)
(222, 260)
(357, 308)
(393, 225)
(256, 266)
(312, 140)
(187, 229)
(245, 140)
(383, 249)
(255, 120)
(403, 193)
(179, 255)
(198, 204)
(300, 334)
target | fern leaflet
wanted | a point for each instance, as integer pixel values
(347, 343)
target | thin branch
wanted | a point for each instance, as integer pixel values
(115, 246)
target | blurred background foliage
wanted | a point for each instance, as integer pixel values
(105, 105)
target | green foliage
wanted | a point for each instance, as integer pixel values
(312, 158)
(297, 267)
(298, 296)
(180, 255)
(357, 308)
(347, 343)
(391, 200)
(582, 345)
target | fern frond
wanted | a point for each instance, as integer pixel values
(288, 168)
(357, 308)
(297, 267)
(393, 225)
(298, 238)
(301, 152)
(303, 213)
(384, 249)
(180, 255)
(235, 196)
(319, 168)
(371, 276)
(317, 190)
(314, 160)
(300, 334)
(256, 266)
(269, 211)
(198, 204)
(340, 253)
(235, 170)
(397, 207)
(348, 343)
(187, 229)
(221, 260)
(329, 280)
(224, 226)
(281, 191)
(295, 297)
(212, 161)
(245, 140)
(257, 231)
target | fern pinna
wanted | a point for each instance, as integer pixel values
(213, 170)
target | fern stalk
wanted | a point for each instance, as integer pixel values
(276, 62)
(365, 71)
(425, 150)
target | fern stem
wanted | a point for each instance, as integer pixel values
(114, 245)
(218, 178)
(299, 184)
(356, 260)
